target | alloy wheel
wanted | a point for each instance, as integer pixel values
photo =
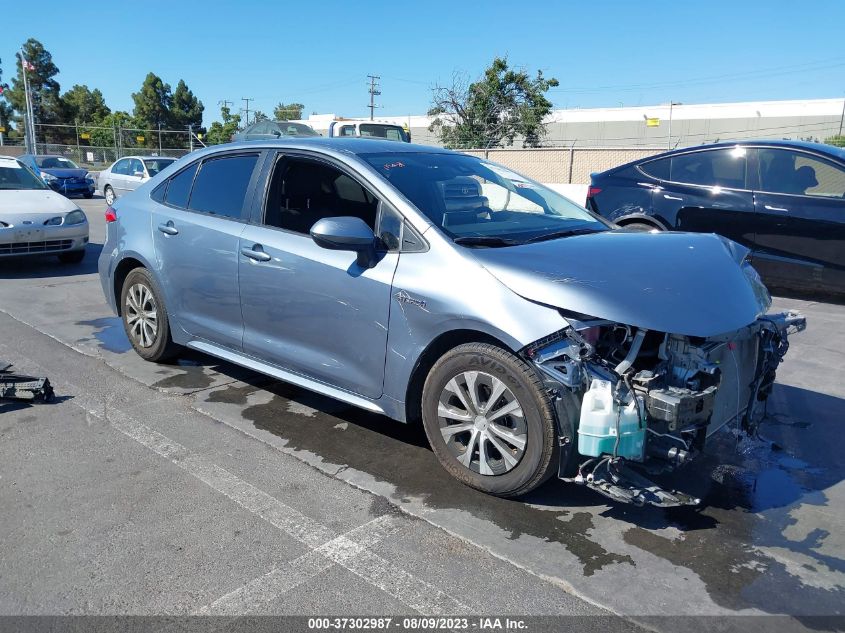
(141, 315)
(109, 196)
(482, 423)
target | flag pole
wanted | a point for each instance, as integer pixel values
(30, 128)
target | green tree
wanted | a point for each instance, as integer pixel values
(103, 133)
(222, 132)
(153, 102)
(492, 111)
(258, 115)
(837, 139)
(43, 89)
(6, 111)
(286, 112)
(185, 108)
(84, 106)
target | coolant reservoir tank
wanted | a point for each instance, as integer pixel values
(598, 424)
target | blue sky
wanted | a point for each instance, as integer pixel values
(605, 53)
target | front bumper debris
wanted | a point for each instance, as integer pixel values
(646, 402)
(20, 387)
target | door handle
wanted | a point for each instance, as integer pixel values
(771, 208)
(168, 229)
(255, 253)
(668, 197)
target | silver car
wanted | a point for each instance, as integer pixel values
(530, 337)
(35, 220)
(128, 173)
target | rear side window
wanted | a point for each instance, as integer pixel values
(180, 187)
(221, 185)
(657, 168)
(722, 167)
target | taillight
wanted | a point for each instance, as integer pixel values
(593, 191)
(111, 215)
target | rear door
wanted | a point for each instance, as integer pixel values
(707, 192)
(118, 176)
(801, 235)
(196, 230)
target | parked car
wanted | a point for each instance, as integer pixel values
(369, 129)
(268, 130)
(34, 220)
(128, 173)
(434, 286)
(61, 174)
(783, 200)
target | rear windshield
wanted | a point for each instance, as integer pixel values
(378, 130)
(13, 175)
(155, 165)
(295, 129)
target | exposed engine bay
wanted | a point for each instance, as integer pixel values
(632, 402)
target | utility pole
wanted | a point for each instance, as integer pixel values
(841, 117)
(246, 109)
(225, 104)
(374, 91)
(669, 140)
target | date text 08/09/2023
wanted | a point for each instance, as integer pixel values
(417, 623)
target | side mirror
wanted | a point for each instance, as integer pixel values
(346, 234)
(277, 133)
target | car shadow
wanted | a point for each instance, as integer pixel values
(45, 266)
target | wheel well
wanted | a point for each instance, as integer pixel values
(641, 220)
(431, 354)
(123, 269)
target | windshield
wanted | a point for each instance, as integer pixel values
(295, 129)
(13, 175)
(55, 162)
(155, 165)
(377, 130)
(475, 201)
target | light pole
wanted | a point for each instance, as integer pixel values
(669, 139)
(841, 117)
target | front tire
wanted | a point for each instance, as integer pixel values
(489, 420)
(108, 192)
(145, 317)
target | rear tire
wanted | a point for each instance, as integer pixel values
(108, 192)
(73, 257)
(88, 195)
(503, 454)
(145, 319)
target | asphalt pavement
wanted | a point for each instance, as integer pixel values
(201, 487)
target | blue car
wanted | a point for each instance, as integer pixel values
(528, 337)
(61, 174)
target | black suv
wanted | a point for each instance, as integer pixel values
(784, 200)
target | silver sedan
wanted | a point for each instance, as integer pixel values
(129, 173)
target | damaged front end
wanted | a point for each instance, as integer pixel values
(632, 402)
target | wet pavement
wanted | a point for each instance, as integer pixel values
(769, 536)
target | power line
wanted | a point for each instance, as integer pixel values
(374, 91)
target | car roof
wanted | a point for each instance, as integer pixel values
(147, 157)
(821, 148)
(348, 145)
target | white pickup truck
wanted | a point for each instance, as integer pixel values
(369, 129)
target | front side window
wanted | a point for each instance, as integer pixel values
(797, 173)
(135, 167)
(480, 202)
(304, 191)
(711, 168)
(13, 175)
(222, 184)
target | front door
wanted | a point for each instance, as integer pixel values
(307, 309)
(801, 234)
(196, 231)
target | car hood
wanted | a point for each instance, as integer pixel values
(18, 205)
(682, 283)
(64, 173)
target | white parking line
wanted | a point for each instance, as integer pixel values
(271, 586)
(342, 550)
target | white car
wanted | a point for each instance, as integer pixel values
(129, 173)
(35, 220)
